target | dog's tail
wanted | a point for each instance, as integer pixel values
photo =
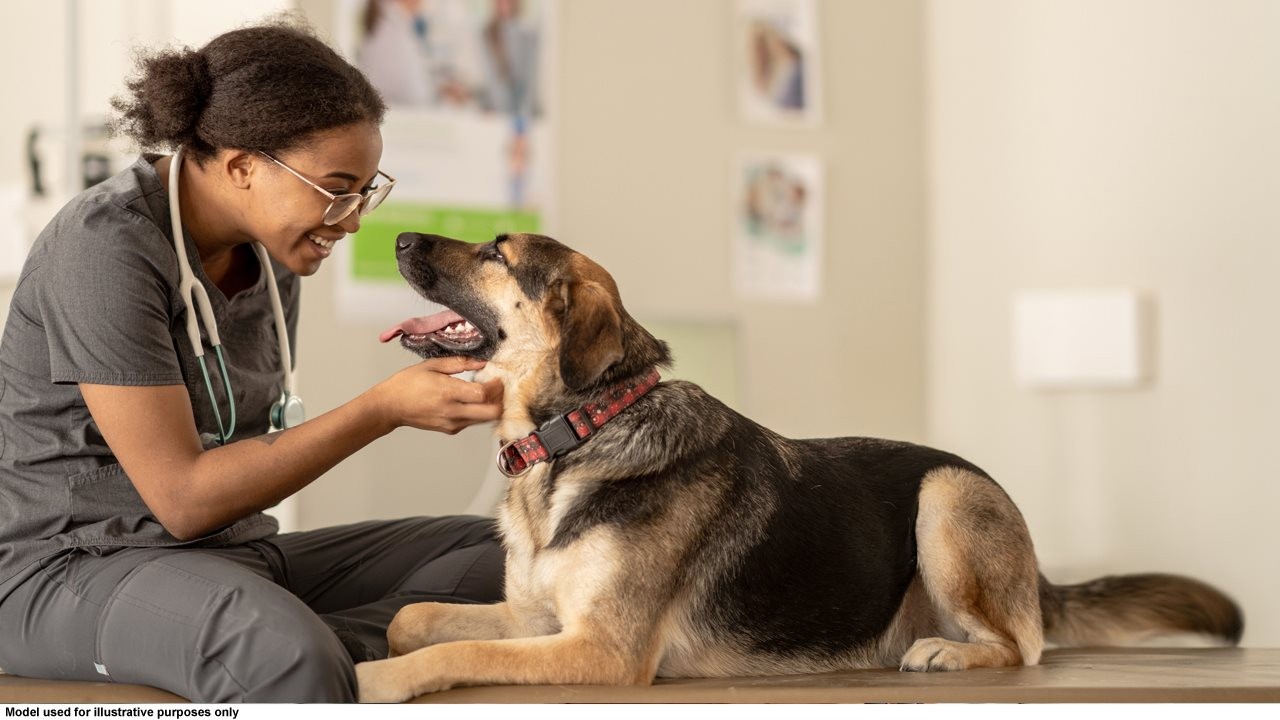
(1128, 609)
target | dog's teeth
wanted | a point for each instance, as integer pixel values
(457, 329)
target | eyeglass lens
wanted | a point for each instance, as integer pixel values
(344, 205)
(340, 208)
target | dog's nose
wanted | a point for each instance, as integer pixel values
(420, 243)
(406, 240)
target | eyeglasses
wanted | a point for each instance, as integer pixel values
(341, 206)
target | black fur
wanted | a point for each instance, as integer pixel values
(754, 552)
(827, 565)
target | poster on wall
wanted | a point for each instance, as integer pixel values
(467, 135)
(778, 80)
(778, 208)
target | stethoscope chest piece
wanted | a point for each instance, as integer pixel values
(287, 412)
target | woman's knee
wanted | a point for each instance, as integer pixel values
(243, 637)
(303, 664)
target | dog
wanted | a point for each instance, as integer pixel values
(681, 539)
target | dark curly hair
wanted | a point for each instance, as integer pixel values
(268, 87)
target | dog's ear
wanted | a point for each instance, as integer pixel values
(590, 332)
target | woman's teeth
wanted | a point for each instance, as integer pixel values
(326, 244)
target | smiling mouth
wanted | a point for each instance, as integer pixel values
(326, 244)
(447, 329)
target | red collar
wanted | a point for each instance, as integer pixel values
(563, 433)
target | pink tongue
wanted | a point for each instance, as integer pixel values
(421, 325)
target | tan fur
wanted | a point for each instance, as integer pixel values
(621, 598)
(428, 623)
(979, 571)
(915, 619)
(523, 362)
(568, 657)
(570, 598)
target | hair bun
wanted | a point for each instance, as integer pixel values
(201, 80)
(170, 93)
(269, 87)
(188, 88)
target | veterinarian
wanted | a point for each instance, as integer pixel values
(135, 464)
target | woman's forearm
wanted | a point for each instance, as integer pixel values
(253, 474)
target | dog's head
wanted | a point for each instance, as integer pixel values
(544, 316)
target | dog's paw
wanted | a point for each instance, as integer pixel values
(933, 655)
(412, 628)
(381, 681)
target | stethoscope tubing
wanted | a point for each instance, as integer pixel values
(196, 299)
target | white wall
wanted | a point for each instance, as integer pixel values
(1094, 143)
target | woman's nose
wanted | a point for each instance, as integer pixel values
(350, 223)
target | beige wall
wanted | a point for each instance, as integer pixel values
(648, 130)
(1094, 143)
(1067, 143)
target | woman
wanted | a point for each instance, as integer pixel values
(132, 541)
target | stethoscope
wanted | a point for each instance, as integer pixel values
(287, 411)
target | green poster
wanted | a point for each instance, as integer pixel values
(374, 246)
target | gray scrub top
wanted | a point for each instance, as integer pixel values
(97, 301)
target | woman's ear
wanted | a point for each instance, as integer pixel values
(238, 166)
(590, 332)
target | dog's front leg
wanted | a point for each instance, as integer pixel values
(562, 659)
(421, 624)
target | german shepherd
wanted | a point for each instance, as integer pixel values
(684, 540)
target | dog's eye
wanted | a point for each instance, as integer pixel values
(491, 252)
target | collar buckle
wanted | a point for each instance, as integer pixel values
(557, 436)
(564, 433)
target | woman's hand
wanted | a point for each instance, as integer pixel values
(424, 396)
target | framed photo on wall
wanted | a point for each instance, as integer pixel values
(778, 227)
(779, 62)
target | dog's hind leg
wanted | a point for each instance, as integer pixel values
(979, 570)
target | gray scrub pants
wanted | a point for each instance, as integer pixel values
(275, 620)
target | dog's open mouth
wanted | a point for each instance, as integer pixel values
(446, 329)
